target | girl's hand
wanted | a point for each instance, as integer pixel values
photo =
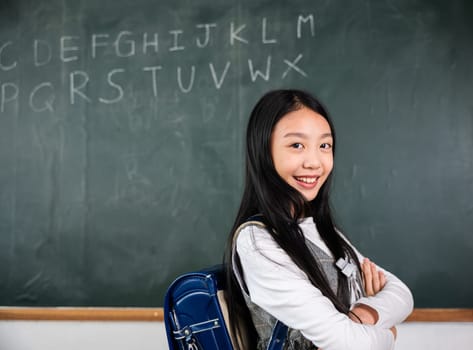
(394, 330)
(374, 280)
(365, 314)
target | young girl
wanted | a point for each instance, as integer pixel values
(291, 263)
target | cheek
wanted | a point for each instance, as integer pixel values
(328, 164)
(286, 166)
(280, 162)
(281, 167)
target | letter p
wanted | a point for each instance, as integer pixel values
(8, 93)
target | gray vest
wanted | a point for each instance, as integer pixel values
(264, 322)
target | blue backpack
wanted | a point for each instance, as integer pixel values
(194, 317)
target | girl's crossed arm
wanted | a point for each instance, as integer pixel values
(388, 301)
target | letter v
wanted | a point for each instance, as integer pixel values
(219, 82)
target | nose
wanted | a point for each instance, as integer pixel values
(312, 161)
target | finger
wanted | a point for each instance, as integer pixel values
(382, 279)
(394, 330)
(375, 275)
(368, 278)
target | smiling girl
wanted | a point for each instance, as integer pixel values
(292, 264)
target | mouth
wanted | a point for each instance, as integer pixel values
(307, 181)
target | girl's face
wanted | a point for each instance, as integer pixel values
(301, 149)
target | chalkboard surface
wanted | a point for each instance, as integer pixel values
(122, 125)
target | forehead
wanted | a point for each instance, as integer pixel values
(304, 121)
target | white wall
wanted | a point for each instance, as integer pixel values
(435, 336)
(86, 335)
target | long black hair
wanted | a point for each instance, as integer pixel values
(281, 206)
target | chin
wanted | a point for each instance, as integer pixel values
(310, 198)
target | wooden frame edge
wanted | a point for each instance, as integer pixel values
(81, 314)
(157, 314)
(441, 315)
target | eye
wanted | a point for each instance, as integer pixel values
(297, 145)
(326, 146)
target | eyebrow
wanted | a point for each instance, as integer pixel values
(305, 136)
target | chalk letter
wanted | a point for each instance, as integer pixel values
(179, 80)
(2, 66)
(309, 19)
(218, 83)
(116, 86)
(48, 104)
(207, 34)
(254, 74)
(292, 65)
(176, 47)
(153, 77)
(234, 34)
(131, 44)
(147, 43)
(65, 48)
(96, 44)
(4, 98)
(36, 47)
(75, 90)
(267, 41)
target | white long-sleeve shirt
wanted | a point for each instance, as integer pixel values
(279, 287)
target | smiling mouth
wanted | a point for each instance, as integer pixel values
(307, 180)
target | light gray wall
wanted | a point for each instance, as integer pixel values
(72, 335)
(85, 335)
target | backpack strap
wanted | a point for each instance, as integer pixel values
(236, 271)
(278, 336)
(280, 330)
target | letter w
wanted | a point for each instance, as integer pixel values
(255, 73)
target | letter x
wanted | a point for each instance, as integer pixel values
(292, 65)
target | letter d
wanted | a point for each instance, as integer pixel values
(42, 52)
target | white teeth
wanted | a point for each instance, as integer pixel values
(307, 180)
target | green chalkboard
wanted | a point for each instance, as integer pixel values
(122, 125)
